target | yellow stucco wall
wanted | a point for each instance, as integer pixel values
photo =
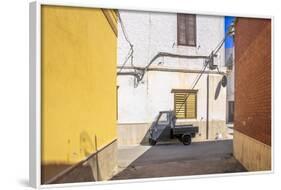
(79, 52)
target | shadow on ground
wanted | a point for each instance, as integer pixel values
(79, 173)
(174, 159)
(24, 182)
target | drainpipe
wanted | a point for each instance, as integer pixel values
(207, 111)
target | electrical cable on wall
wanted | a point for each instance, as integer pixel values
(209, 60)
(130, 55)
(131, 50)
(194, 84)
(139, 75)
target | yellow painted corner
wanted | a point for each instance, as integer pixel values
(79, 55)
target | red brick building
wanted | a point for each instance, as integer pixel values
(252, 116)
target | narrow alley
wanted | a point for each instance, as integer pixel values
(175, 159)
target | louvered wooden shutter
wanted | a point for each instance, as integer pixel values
(185, 109)
(180, 105)
(191, 106)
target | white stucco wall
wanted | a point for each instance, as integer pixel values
(151, 33)
(230, 90)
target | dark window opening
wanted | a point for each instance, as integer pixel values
(186, 29)
(230, 111)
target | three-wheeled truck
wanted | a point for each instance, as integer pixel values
(165, 128)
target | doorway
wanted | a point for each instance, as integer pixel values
(230, 111)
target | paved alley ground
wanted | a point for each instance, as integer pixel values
(175, 159)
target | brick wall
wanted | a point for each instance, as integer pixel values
(252, 114)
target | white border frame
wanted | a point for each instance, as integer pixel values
(35, 92)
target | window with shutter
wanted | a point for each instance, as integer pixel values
(185, 102)
(186, 29)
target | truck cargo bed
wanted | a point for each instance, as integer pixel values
(182, 129)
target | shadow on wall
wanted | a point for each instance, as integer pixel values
(80, 173)
(84, 171)
(218, 90)
(86, 144)
(87, 147)
(145, 139)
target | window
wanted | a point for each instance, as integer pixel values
(185, 104)
(186, 32)
(163, 119)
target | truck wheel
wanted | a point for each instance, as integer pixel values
(152, 142)
(186, 139)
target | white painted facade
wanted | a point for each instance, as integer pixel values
(151, 33)
(230, 59)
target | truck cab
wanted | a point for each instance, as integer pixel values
(164, 128)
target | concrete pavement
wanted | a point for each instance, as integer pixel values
(175, 159)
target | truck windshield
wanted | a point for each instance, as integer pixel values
(163, 119)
